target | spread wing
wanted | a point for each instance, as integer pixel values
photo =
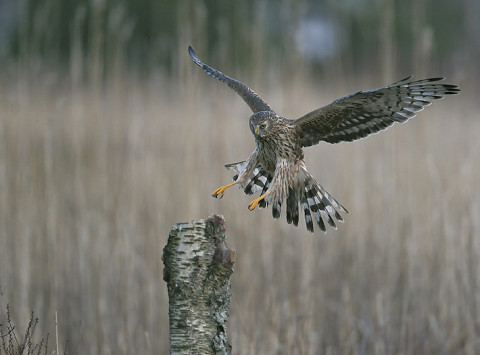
(252, 99)
(357, 115)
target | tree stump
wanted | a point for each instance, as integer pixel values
(197, 270)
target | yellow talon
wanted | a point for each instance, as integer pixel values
(221, 190)
(255, 202)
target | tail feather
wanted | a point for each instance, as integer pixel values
(262, 204)
(323, 206)
(324, 213)
(306, 211)
(311, 193)
(317, 204)
(292, 207)
(332, 201)
(276, 209)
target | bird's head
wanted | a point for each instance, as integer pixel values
(261, 123)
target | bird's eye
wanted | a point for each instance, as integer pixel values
(263, 126)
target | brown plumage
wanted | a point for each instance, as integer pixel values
(276, 167)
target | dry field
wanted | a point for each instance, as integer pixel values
(93, 177)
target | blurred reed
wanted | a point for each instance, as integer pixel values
(98, 161)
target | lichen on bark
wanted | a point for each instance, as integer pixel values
(198, 265)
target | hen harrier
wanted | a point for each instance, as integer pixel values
(276, 166)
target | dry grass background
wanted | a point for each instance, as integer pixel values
(92, 179)
(94, 173)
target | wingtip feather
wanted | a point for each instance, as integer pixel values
(191, 51)
(192, 54)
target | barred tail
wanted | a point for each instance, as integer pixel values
(316, 201)
(317, 204)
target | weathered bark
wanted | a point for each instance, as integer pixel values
(198, 266)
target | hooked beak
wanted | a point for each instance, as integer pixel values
(256, 130)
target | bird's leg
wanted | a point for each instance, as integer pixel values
(221, 190)
(254, 203)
